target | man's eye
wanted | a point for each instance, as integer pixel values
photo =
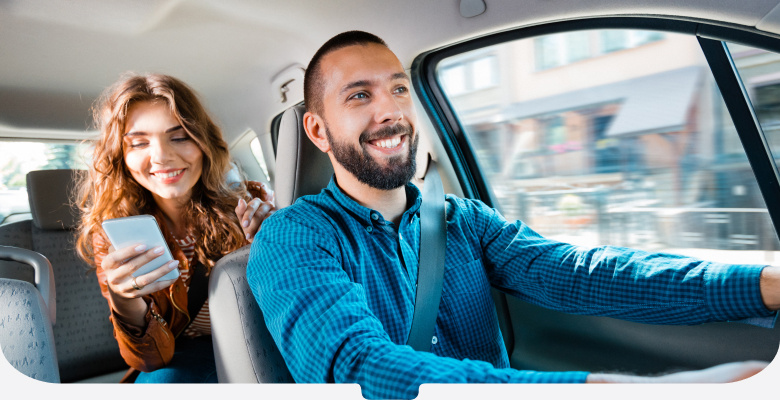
(359, 96)
(401, 89)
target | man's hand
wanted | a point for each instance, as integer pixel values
(770, 287)
(724, 373)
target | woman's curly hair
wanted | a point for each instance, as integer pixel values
(108, 190)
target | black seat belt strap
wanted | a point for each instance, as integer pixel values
(430, 273)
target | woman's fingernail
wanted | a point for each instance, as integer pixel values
(245, 224)
(140, 248)
(247, 236)
(173, 264)
(158, 250)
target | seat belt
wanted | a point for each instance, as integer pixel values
(430, 272)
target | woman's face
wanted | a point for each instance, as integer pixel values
(160, 155)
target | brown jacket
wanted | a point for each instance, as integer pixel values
(167, 315)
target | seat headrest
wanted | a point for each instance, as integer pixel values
(49, 195)
(301, 168)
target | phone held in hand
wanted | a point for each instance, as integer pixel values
(140, 229)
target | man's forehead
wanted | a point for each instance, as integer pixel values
(365, 62)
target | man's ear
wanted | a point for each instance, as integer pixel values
(315, 130)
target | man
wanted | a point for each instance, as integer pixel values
(335, 273)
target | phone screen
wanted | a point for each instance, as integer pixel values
(140, 229)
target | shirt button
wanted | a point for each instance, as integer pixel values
(434, 340)
(369, 229)
(374, 216)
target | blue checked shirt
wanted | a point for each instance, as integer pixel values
(336, 283)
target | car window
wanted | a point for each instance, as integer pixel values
(257, 152)
(21, 157)
(760, 73)
(617, 137)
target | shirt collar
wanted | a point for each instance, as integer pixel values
(364, 213)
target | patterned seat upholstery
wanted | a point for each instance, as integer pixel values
(83, 334)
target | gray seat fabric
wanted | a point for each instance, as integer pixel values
(245, 351)
(83, 334)
(301, 168)
(243, 347)
(27, 312)
(17, 234)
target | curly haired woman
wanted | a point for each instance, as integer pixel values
(159, 153)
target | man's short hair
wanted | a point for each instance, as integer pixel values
(312, 79)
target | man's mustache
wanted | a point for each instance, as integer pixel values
(386, 132)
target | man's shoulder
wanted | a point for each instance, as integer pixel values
(461, 205)
(307, 206)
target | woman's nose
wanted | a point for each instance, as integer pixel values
(159, 152)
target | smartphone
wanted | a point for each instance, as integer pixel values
(143, 229)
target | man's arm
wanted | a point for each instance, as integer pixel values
(323, 325)
(730, 372)
(611, 281)
(770, 287)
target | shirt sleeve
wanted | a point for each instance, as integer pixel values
(324, 328)
(611, 281)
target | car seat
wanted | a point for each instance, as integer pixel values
(85, 344)
(26, 317)
(244, 349)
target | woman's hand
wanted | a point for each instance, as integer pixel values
(124, 289)
(252, 213)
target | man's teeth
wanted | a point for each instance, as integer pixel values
(389, 143)
(169, 175)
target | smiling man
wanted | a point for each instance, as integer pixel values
(335, 273)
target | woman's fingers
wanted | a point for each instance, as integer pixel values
(266, 194)
(120, 273)
(147, 283)
(264, 210)
(114, 259)
(241, 208)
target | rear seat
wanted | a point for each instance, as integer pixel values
(27, 315)
(86, 348)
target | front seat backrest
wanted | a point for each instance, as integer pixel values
(301, 168)
(243, 348)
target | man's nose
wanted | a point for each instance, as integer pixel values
(388, 111)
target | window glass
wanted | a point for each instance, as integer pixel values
(468, 75)
(484, 72)
(454, 79)
(21, 157)
(631, 148)
(760, 73)
(257, 152)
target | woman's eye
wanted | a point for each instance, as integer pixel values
(181, 139)
(135, 145)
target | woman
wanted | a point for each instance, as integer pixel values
(159, 153)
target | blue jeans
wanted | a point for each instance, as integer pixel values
(193, 362)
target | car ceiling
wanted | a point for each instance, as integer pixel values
(59, 55)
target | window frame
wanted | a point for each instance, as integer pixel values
(711, 36)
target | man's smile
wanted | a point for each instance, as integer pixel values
(391, 145)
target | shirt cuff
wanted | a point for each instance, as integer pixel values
(733, 293)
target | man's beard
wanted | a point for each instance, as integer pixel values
(366, 169)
